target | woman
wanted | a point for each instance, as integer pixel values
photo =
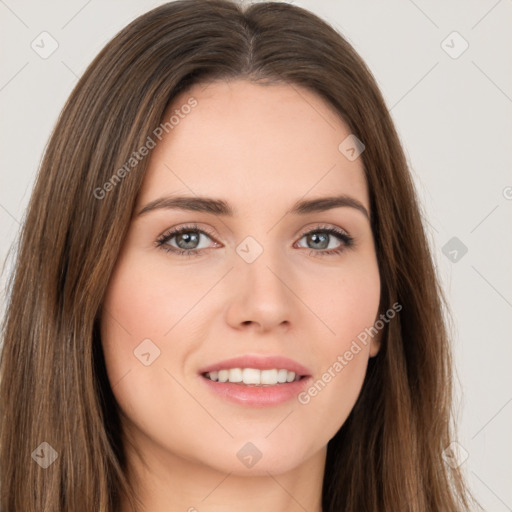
(224, 297)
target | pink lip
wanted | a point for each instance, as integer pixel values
(258, 396)
(260, 363)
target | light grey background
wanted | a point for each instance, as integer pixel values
(454, 119)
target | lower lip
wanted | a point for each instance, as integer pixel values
(257, 396)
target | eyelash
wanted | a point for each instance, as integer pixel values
(161, 242)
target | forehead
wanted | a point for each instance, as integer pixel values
(252, 142)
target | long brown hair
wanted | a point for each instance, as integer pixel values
(388, 454)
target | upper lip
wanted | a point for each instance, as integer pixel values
(258, 362)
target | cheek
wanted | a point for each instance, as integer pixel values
(144, 300)
(136, 313)
(349, 313)
(347, 302)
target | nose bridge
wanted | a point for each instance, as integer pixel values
(262, 264)
(262, 293)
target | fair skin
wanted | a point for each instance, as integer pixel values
(260, 149)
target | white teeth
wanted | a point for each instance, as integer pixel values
(253, 376)
(235, 375)
(269, 377)
(281, 376)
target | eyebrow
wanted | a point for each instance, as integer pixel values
(221, 207)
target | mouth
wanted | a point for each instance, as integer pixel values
(255, 380)
(254, 376)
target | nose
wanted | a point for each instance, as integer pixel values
(261, 295)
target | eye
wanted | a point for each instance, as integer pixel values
(187, 240)
(321, 236)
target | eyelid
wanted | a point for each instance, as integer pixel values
(195, 227)
(172, 232)
(322, 227)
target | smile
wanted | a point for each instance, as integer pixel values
(253, 376)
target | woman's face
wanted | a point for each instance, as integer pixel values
(266, 281)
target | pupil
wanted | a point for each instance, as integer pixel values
(315, 238)
(187, 236)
